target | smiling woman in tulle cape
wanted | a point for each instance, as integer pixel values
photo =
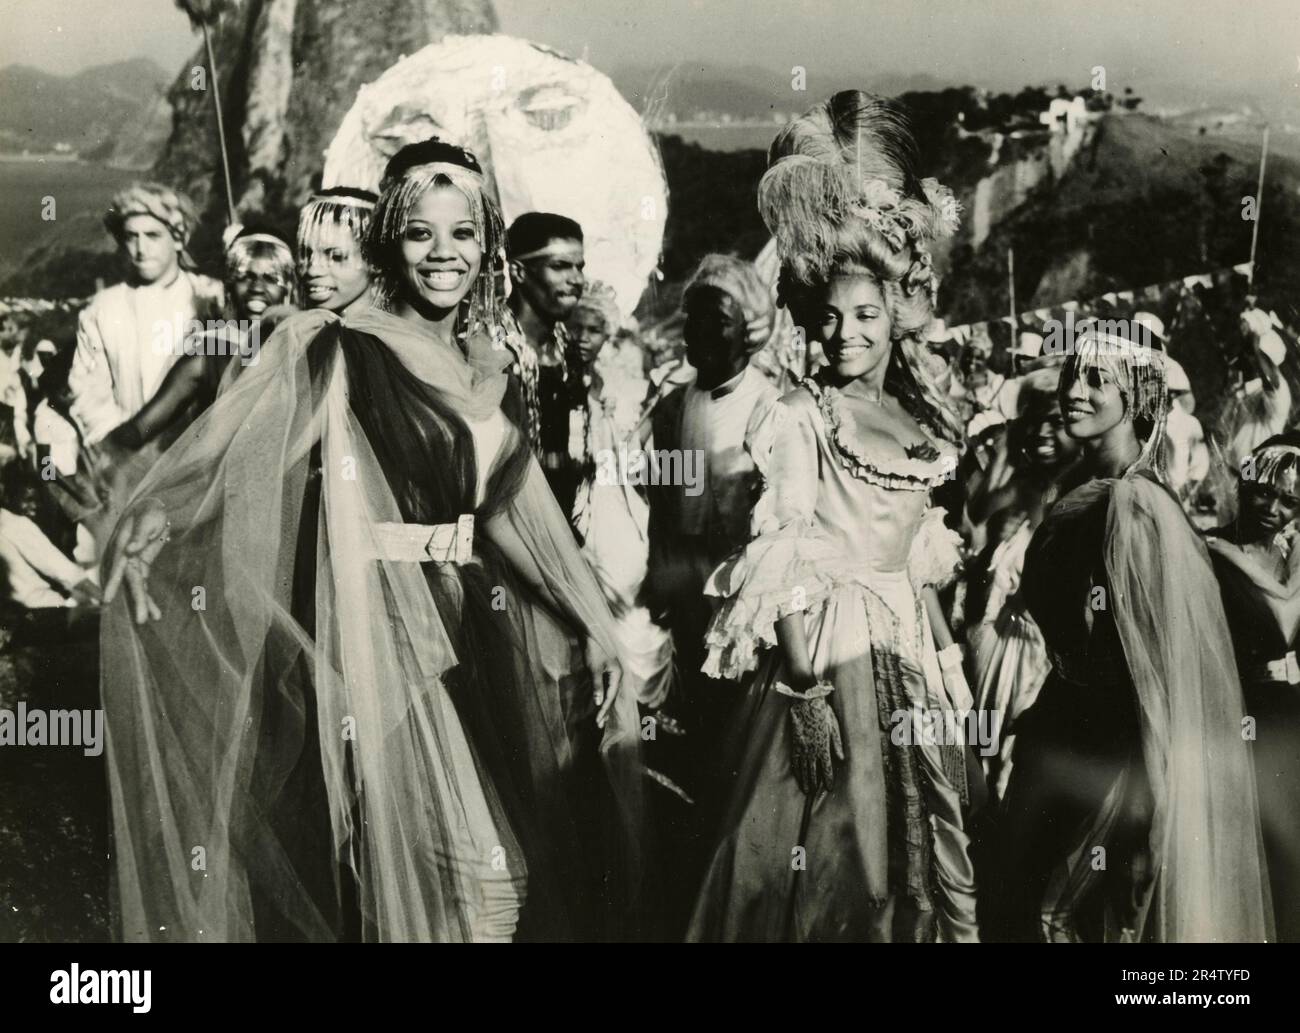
(358, 681)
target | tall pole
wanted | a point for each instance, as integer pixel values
(1259, 206)
(221, 125)
(1011, 290)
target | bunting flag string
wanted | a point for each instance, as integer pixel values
(1034, 319)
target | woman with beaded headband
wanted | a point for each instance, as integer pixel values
(332, 230)
(832, 603)
(388, 726)
(1258, 566)
(210, 352)
(1131, 811)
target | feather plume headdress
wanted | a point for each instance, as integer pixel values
(847, 164)
(841, 193)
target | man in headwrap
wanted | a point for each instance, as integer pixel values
(696, 522)
(1004, 392)
(982, 386)
(704, 483)
(546, 273)
(130, 334)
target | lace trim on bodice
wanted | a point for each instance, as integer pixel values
(895, 474)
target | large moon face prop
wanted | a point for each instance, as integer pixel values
(553, 135)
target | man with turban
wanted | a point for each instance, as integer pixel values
(698, 521)
(703, 484)
(131, 334)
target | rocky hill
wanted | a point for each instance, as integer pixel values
(1146, 202)
(86, 113)
(289, 70)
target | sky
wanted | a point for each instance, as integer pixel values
(1157, 46)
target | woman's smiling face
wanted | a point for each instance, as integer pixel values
(441, 252)
(257, 288)
(850, 320)
(1050, 444)
(1091, 402)
(334, 274)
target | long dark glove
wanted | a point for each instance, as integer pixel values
(815, 742)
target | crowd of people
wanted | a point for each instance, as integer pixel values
(436, 604)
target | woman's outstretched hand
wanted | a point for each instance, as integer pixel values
(143, 532)
(606, 676)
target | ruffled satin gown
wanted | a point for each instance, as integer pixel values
(847, 538)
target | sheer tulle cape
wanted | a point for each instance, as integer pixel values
(412, 816)
(583, 819)
(1205, 834)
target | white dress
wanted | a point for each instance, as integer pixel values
(1010, 657)
(847, 538)
(616, 545)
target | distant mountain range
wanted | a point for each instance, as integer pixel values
(1152, 199)
(118, 114)
(115, 113)
(687, 90)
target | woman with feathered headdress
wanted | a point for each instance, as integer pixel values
(846, 817)
(1131, 810)
(332, 266)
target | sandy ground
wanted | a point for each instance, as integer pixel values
(54, 863)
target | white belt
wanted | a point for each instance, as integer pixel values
(1287, 669)
(425, 543)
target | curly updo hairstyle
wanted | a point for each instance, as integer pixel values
(842, 197)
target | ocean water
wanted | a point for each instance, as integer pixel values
(76, 187)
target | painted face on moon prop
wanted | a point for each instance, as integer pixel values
(553, 135)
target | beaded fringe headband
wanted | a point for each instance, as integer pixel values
(331, 210)
(1139, 370)
(238, 258)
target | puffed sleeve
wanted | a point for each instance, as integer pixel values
(785, 567)
(935, 555)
